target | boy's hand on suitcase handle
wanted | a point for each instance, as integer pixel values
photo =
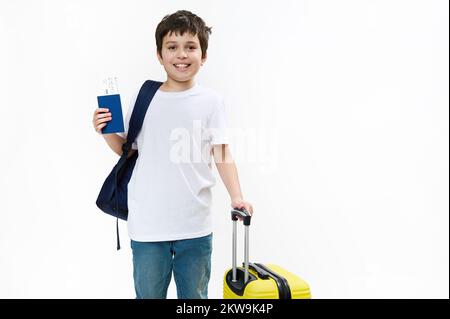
(242, 205)
(101, 116)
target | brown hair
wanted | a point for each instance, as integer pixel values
(180, 22)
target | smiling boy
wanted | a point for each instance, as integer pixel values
(169, 201)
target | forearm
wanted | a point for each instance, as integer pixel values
(115, 142)
(228, 171)
(229, 175)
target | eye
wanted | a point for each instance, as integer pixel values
(192, 48)
(171, 48)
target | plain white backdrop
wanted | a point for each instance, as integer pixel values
(348, 101)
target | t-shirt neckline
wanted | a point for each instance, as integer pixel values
(179, 93)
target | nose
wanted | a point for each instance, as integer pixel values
(182, 53)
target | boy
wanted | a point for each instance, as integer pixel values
(169, 198)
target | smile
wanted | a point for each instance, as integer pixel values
(181, 67)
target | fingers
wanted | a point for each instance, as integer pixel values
(239, 203)
(248, 207)
(99, 127)
(101, 117)
(99, 109)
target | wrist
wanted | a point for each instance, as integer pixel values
(237, 198)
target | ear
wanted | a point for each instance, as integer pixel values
(159, 57)
(204, 59)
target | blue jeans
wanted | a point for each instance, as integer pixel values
(189, 259)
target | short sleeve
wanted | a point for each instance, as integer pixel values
(217, 124)
(127, 120)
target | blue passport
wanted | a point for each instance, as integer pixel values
(112, 102)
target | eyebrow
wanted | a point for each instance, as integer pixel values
(190, 42)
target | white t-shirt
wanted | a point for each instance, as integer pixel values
(169, 193)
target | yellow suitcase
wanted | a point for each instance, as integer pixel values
(259, 281)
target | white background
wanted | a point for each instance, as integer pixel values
(354, 95)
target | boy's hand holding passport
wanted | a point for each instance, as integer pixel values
(108, 117)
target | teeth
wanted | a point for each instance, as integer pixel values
(182, 65)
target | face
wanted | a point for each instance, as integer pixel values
(181, 56)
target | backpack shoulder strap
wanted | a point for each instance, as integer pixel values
(145, 96)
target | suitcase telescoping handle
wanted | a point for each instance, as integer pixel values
(235, 213)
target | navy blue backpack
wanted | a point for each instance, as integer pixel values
(113, 196)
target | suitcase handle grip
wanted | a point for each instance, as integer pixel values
(261, 272)
(241, 212)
